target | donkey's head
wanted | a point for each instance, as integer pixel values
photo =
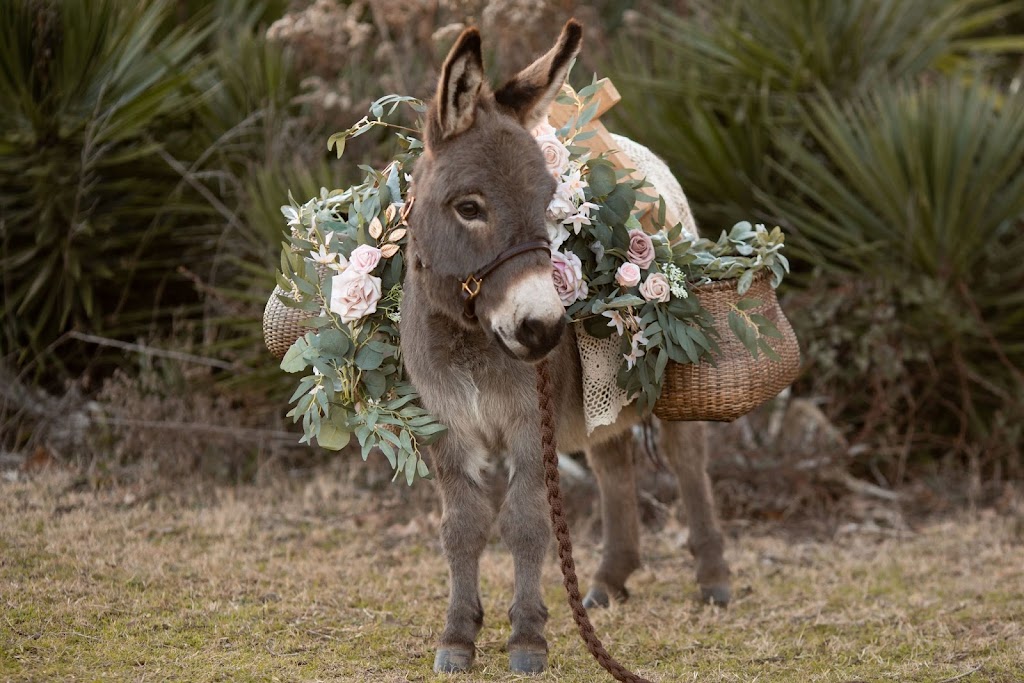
(478, 245)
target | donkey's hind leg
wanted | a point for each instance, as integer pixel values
(465, 526)
(684, 445)
(612, 463)
(526, 531)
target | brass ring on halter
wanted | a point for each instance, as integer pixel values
(472, 284)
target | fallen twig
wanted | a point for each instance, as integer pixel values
(243, 432)
(151, 351)
(965, 674)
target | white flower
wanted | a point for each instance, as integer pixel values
(561, 206)
(586, 207)
(676, 280)
(557, 234)
(577, 222)
(628, 274)
(656, 288)
(365, 258)
(572, 185)
(323, 256)
(615, 320)
(635, 352)
(292, 214)
(543, 128)
(354, 295)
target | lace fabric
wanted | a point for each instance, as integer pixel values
(603, 398)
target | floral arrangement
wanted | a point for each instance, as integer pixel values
(343, 264)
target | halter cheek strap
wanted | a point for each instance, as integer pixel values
(473, 283)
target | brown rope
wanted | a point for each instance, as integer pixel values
(572, 586)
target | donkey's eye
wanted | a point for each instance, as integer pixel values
(470, 210)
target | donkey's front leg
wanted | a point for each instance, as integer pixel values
(527, 533)
(465, 525)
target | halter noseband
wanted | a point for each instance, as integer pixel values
(472, 284)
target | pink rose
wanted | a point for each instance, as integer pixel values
(354, 294)
(567, 272)
(556, 155)
(641, 248)
(656, 288)
(628, 275)
(364, 258)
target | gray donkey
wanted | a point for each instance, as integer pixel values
(478, 225)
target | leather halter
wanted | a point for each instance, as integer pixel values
(472, 284)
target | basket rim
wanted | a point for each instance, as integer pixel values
(730, 283)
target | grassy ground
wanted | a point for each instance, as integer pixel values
(317, 581)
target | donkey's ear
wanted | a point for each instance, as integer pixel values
(530, 93)
(458, 89)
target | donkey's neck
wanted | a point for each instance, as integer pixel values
(464, 378)
(433, 342)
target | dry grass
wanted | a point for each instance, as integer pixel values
(320, 580)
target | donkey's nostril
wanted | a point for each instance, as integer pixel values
(540, 335)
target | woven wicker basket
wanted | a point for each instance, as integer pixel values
(283, 325)
(738, 382)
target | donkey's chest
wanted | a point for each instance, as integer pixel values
(488, 406)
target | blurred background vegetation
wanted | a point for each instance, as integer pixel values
(146, 146)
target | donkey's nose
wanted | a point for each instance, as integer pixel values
(540, 336)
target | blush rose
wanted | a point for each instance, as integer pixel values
(628, 275)
(354, 295)
(556, 156)
(641, 248)
(364, 258)
(656, 288)
(567, 273)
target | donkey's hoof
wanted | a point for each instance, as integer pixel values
(453, 659)
(718, 594)
(527, 661)
(597, 598)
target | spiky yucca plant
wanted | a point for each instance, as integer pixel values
(711, 89)
(920, 189)
(130, 134)
(91, 91)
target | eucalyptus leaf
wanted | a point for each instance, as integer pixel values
(375, 384)
(332, 437)
(748, 303)
(601, 178)
(294, 358)
(368, 358)
(333, 343)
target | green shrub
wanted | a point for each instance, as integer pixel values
(128, 132)
(712, 89)
(920, 190)
(91, 91)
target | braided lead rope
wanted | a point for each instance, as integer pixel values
(572, 587)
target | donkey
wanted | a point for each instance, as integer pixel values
(481, 192)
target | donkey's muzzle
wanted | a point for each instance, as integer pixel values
(539, 336)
